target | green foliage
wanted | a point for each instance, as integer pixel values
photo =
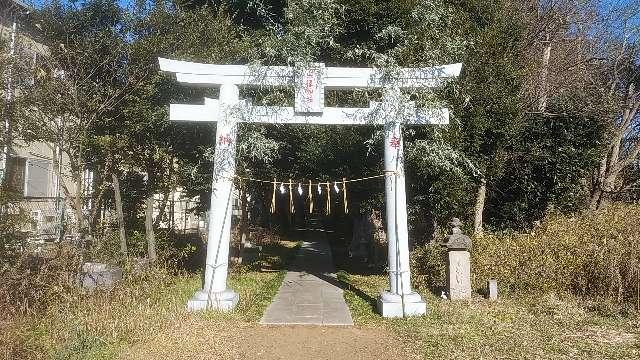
(310, 28)
(491, 136)
(547, 171)
(13, 220)
(591, 255)
(428, 265)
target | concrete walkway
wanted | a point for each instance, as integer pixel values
(308, 294)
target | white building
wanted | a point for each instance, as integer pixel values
(179, 213)
(28, 168)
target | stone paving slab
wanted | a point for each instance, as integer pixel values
(309, 294)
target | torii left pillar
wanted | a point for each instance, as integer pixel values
(215, 294)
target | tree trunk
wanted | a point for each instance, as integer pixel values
(162, 207)
(594, 203)
(149, 234)
(481, 196)
(77, 201)
(544, 73)
(244, 217)
(118, 197)
(605, 184)
(623, 151)
(172, 209)
(95, 212)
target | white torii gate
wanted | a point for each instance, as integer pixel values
(309, 83)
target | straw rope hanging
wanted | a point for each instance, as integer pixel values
(328, 211)
(310, 198)
(318, 183)
(291, 208)
(273, 198)
(344, 195)
(310, 195)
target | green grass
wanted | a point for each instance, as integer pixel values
(543, 327)
(258, 282)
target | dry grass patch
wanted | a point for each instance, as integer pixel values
(541, 327)
(99, 324)
(600, 335)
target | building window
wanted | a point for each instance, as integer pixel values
(30, 177)
(38, 178)
(16, 167)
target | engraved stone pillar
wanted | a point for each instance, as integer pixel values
(458, 263)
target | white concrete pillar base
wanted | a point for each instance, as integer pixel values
(223, 301)
(390, 305)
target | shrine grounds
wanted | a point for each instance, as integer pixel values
(584, 308)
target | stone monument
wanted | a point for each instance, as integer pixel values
(458, 263)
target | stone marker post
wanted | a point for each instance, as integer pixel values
(492, 289)
(458, 263)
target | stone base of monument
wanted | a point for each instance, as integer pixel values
(391, 305)
(459, 275)
(223, 301)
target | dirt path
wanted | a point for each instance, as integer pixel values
(201, 339)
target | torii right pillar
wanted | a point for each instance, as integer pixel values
(400, 300)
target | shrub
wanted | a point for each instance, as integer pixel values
(175, 251)
(428, 265)
(594, 255)
(180, 251)
(36, 280)
(12, 221)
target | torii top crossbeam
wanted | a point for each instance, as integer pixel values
(334, 77)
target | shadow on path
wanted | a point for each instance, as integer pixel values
(310, 292)
(319, 235)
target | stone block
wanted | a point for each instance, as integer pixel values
(492, 289)
(458, 275)
(95, 275)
